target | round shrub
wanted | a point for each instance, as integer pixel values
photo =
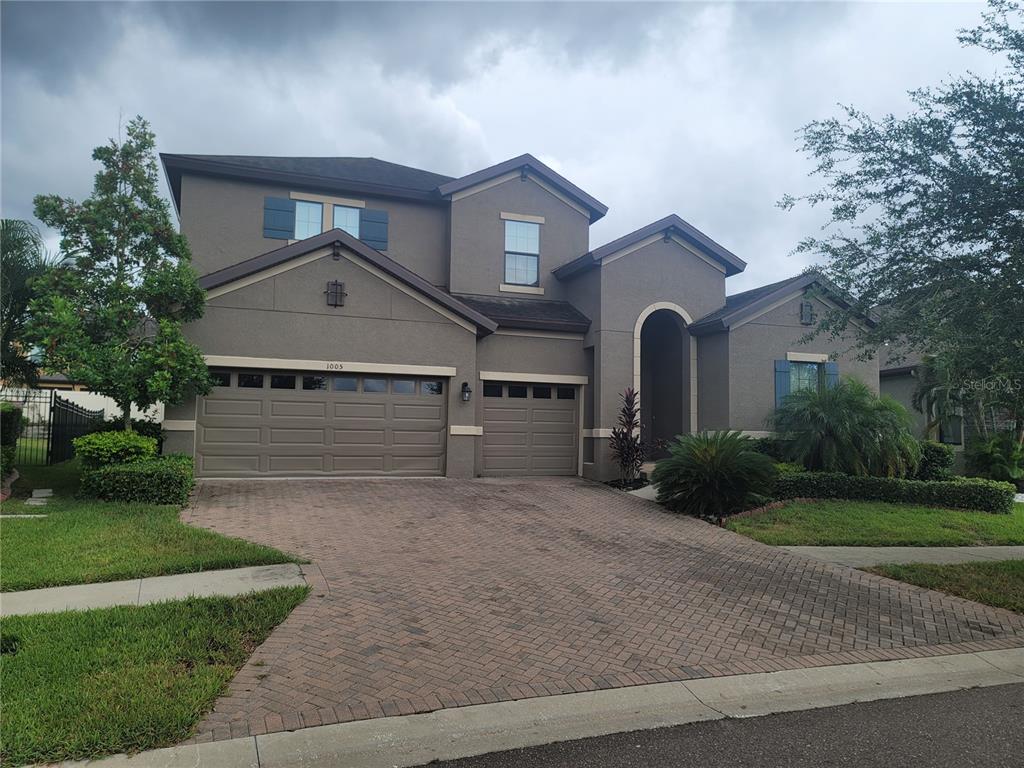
(713, 474)
(101, 449)
(936, 461)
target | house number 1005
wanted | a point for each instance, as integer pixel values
(335, 366)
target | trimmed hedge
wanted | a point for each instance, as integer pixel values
(160, 480)
(11, 424)
(936, 461)
(963, 493)
(143, 427)
(101, 449)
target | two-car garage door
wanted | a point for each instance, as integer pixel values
(294, 423)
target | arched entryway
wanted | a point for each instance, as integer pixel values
(662, 372)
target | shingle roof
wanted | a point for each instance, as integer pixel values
(535, 314)
(741, 306)
(528, 162)
(672, 223)
(326, 239)
(359, 174)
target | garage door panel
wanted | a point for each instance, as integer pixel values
(231, 435)
(359, 437)
(312, 409)
(416, 437)
(229, 464)
(232, 407)
(296, 463)
(297, 436)
(246, 432)
(429, 413)
(361, 410)
(530, 436)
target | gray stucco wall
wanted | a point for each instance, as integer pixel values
(901, 388)
(286, 317)
(713, 382)
(753, 348)
(223, 221)
(478, 236)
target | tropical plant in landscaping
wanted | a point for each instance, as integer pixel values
(936, 461)
(625, 444)
(713, 474)
(999, 457)
(22, 261)
(847, 428)
(110, 316)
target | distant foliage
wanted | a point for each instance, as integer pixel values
(847, 428)
(999, 457)
(713, 475)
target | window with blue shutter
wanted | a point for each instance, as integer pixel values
(831, 374)
(279, 218)
(373, 228)
(781, 381)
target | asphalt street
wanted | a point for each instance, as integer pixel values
(977, 727)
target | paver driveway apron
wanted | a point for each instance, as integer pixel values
(442, 593)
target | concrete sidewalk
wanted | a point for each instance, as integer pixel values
(225, 583)
(411, 740)
(860, 557)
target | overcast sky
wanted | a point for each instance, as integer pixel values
(653, 109)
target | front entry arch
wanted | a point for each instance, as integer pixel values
(664, 360)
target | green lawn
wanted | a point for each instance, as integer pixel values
(868, 523)
(82, 541)
(998, 583)
(61, 478)
(92, 683)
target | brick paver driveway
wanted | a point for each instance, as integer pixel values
(440, 593)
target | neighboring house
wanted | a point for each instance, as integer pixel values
(366, 318)
(899, 380)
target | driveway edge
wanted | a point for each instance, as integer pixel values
(446, 734)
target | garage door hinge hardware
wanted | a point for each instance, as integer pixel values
(335, 294)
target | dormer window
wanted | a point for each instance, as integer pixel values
(522, 253)
(347, 218)
(309, 219)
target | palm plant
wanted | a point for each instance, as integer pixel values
(713, 475)
(847, 428)
(22, 260)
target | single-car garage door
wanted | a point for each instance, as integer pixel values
(530, 429)
(293, 423)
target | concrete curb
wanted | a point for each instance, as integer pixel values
(400, 742)
(859, 557)
(154, 589)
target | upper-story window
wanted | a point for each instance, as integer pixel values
(309, 219)
(347, 218)
(522, 253)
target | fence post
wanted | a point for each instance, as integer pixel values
(49, 429)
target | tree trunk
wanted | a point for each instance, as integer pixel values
(126, 415)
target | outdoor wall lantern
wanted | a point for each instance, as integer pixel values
(466, 392)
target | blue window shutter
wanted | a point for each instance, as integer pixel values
(781, 381)
(373, 228)
(279, 218)
(831, 374)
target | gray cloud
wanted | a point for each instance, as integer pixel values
(684, 108)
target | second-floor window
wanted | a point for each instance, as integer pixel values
(347, 218)
(522, 253)
(309, 219)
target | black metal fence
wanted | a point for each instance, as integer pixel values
(51, 422)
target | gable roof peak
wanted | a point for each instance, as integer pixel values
(527, 163)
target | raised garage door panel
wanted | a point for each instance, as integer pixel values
(252, 431)
(531, 435)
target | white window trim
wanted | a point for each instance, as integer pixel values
(806, 357)
(328, 202)
(528, 218)
(461, 429)
(536, 290)
(529, 378)
(333, 366)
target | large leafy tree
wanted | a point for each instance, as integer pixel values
(927, 220)
(22, 261)
(111, 315)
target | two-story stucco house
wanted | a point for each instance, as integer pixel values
(367, 318)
